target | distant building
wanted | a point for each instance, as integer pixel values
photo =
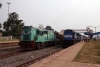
(76, 30)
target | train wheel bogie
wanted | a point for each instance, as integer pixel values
(26, 45)
(43, 45)
(39, 45)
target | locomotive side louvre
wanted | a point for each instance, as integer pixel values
(47, 38)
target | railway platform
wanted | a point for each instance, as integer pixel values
(8, 41)
(64, 58)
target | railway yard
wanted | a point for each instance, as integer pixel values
(64, 33)
(15, 57)
(38, 44)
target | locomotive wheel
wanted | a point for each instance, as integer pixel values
(55, 43)
(39, 46)
(50, 44)
(43, 45)
(74, 42)
(47, 44)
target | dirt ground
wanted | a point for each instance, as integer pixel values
(64, 58)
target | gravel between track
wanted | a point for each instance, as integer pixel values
(9, 49)
(22, 58)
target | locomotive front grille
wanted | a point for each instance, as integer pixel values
(26, 37)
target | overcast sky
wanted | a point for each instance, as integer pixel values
(59, 14)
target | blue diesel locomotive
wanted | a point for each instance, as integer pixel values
(70, 37)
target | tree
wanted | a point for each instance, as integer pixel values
(0, 25)
(13, 26)
(40, 26)
(0, 5)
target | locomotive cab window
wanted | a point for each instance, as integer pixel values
(25, 27)
(41, 33)
(45, 32)
(37, 31)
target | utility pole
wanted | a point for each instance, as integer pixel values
(0, 5)
(8, 7)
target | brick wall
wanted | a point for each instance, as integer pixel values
(5, 37)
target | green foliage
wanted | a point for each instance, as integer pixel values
(0, 25)
(90, 53)
(13, 26)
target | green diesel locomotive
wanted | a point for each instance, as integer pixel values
(34, 38)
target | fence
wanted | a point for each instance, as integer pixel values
(5, 37)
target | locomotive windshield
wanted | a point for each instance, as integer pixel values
(25, 27)
(69, 31)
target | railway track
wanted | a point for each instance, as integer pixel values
(25, 64)
(8, 52)
(2, 56)
(10, 47)
(8, 44)
(25, 58)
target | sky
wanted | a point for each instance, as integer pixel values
(59, 14)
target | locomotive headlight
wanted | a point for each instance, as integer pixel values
(68, 36)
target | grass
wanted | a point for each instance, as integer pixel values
(9, 40)
(90, 53)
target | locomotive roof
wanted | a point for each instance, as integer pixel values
(44, 29)
(69, 30)
(41, 29)
(62, 31)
